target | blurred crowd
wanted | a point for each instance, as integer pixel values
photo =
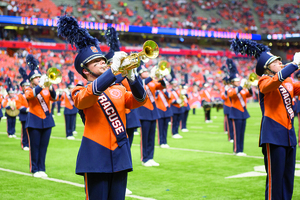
(238, 15)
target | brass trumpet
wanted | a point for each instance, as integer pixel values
(54, 75)
(251, 81)
(150, 51)
(162, 69)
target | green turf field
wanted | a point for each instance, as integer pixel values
(195, 167)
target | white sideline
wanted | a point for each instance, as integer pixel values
(67, 182)
(173, 148)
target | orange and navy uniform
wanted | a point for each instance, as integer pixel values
(7, 99)
(39, 114)
(226, 110)
(69, 104)
(149, 110)
(238, 97)
(10, 121)
(275, 119)
(105, 147)
(175, 96)
(205, 95)
(195, 100)
(22, 105)
(1, 99)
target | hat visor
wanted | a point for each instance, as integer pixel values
(35, 75)
(93, 57)
(272, 59)
(25, 84)
(236, 79)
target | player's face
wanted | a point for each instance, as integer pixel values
(236, 83)
(98, 66)
(275, 66)
(35, 81)
(145, 75)
(11, 95)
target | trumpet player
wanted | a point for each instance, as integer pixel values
(70, 111)
(177, 108)
(206, 101)
(104, 157)
(23, 107)
(238, 111)
(186, 108)
(148, 114)
(11, 111)
(39, 119)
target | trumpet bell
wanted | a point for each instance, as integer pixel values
(164, 67)
(150, 48)
(54, 75)
(252, 77)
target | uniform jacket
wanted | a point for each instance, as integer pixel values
(1, 99)
(70, 109)
(176, 108)
(22, 105)
(277, 127)
(238, 97)
(105, 149)
(162, 99)
(39, 115)
(149, 110)
(227, 102)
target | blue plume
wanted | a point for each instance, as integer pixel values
(225, 69)
(8, 83)
(68, 28)
(112, 39)
(23, 73)
(232, 67)
(247, 47)
(32, 62)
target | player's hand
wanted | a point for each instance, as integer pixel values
(44, 81)
(179, 101)
(131, 75)
(297, 59)
(116, 61)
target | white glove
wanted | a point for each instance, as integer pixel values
(243, 81)
(27, 109)
(44, 80)
(183, 91)
(179, 101)
(116, 61)
(131, 75)
(297, 58)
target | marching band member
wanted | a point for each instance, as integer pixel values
(195, 99)
(227, 105)
(9, 103)
(162, 99)
(104, 157)
(148, 114)
(297, 75)
(39, 119)
(1, 113)
(206, 102)
(23, 107)
(70, 111)
(277, 133)
(176, 107)
(185, 110)
(238, 111)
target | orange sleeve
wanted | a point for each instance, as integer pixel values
(231, 92)
(267, 84)
(297, 89)
(126, 84)
(29, 93)
(83, 97)
(223, 96)
(4, 103)
(158, 86)
(131, 102)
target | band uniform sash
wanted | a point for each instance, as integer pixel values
(287, 100)
(149, 93)
(163, 98)
(113, 118)
(43, 104)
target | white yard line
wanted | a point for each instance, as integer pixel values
(66, 182)
(178, 149)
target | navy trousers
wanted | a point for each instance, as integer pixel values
(148, 139)
(11, 125)
(130, 133)
(228, 127)
(280, 178)
(69, 121)
(39, 140)
(163, 124)
(194, 111)
(24, 136)
(105, 186)
(184, 117)
(58, 103)
(175, 123)
(239, 126)
(207, 114)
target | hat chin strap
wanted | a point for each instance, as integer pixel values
(92, 73)
(271, 71)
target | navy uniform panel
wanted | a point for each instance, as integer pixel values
(34, 121)
(147, 114)
(132, 119)
(94, 158)
(237, 114)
